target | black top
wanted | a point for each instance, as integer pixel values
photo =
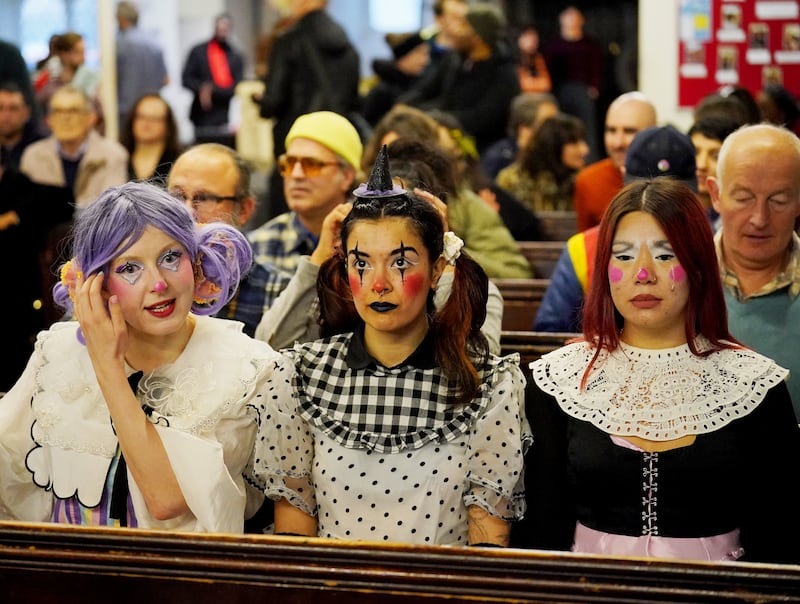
(739, 476)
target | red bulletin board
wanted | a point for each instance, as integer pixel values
(737, 42)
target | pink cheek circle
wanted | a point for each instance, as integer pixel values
(677, 274)
(355, 284)
(614, 274)
(117, 285)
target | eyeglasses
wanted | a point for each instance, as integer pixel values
(67, 111)
(202, 199)
(311, 167)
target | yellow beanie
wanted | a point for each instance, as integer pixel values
(331, 130)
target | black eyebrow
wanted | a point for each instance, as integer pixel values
(403, 249)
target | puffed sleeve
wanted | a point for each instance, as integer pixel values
(20, 498)
(284, 448)
(498, 443)
(210, 464)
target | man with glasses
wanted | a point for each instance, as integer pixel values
(75, 155)
(213, 180)
(319, 169)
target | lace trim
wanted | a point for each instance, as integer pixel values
(657, 394)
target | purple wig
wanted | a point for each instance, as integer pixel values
(119, 216)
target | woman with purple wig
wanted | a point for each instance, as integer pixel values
(140, 411)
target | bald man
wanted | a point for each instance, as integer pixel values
(596, 184)
(213, 181)
(757, 194)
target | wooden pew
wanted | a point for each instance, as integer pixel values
(542, 256)
(58, 564)
(521, 300)
(558, 225)
(532, 344)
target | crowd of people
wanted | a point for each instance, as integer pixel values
(336, 371)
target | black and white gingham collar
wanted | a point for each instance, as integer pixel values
(385, 409)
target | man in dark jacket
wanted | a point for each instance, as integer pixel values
(312, 67)
(211, 72)
(477, 81)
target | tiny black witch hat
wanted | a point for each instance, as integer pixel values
(380, 183)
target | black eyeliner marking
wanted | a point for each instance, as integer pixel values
(360, 270)
(403, 249)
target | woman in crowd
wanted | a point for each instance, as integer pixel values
(150, 134)
(659, 434)
(402, 427)
(543, 177)
(141, 411)
(531, 66)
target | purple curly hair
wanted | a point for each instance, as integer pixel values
(119, 216)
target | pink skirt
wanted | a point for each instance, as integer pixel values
(725, 547)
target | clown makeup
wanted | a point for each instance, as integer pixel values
(132, 270)
(154, 282)
(390, 274)
(677, 274)
(402, 259)
(648, 285)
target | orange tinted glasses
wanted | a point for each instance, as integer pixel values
(311, 166)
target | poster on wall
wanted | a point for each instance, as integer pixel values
(745, 43)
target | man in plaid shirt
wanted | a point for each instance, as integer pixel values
(319, 169)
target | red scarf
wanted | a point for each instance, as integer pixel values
(218, 64)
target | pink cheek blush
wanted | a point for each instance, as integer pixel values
(412, 285)
(119, 287)
(355, 284)
(677, 274)
(614, 274)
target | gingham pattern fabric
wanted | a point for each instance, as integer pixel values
(281, 241)
(361, 404)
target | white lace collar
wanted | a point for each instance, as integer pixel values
(657, 394)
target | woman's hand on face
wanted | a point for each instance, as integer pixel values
(329, 238)
(101, 320)
(437, 203)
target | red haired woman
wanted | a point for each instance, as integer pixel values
(659, 434)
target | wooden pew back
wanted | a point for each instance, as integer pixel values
(61, 564)
(532, 344)
(521, 300)
(558, 225)
(542, 256)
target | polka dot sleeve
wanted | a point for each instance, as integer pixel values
(497, 445)
(284, 450)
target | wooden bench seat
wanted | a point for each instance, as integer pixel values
(51, 563)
